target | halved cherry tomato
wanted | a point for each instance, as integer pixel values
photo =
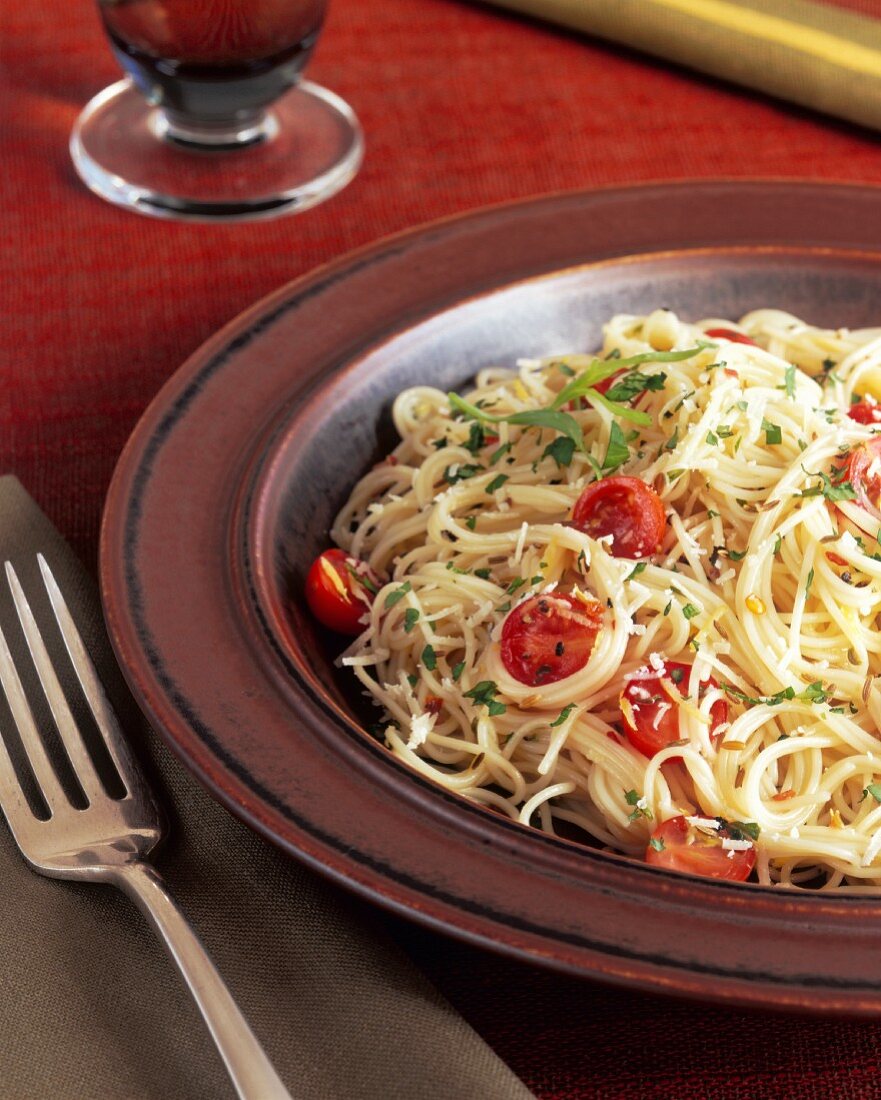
(863, 471)
(335, 597)
(625, 508)
(729, 334)
(547, 638)
(651, 714)
(681, 846)
(865, 412)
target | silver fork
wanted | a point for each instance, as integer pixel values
(109, 840)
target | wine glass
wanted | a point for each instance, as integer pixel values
(213, 121)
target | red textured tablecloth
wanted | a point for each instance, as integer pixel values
(462, 106)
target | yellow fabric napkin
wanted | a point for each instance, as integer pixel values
(809, 53)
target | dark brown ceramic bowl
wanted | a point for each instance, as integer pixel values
(228, 486)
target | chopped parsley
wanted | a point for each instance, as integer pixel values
(429, 658)
(497, 482)
(564, 714)
(484, 574)
(813, 693)
(874, 789)
(740, 830)
(626, 388)
(633, 799)
(484, 694)
(789, 384)
(657, 842)
(462, 472)
(689, 610)
(773, 432)
(561, 450)
(397, 594)
(458, 670)
(362, 579)
(516, 583)
(809, 582)
(712, 439)
(672, 442)
(471, 522)
(476, 437)
(411, 618)
(640, 567)
(842, 490)
(499, 452)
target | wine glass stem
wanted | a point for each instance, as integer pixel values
(246, 129)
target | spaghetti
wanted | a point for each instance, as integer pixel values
(720, 697)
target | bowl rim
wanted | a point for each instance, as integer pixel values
(117, 590)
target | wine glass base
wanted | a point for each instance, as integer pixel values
(313, 147)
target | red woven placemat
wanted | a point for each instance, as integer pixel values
(462, 106)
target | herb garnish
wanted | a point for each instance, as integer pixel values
(362, 579)
(813, 693)
(463, 471)
(484, 694)
(633, 799)
(411, 618)
(397, 594)
(561, 450)
(618, 452)
(595, 370)
(842, 490)
(564, 714)
(429, 658)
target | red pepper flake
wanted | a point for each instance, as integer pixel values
(835, 558)
(731, 373)
(433, 704)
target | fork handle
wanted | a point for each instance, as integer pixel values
(244, 1057)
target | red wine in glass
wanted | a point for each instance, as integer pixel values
(215, 76)
(213, 61)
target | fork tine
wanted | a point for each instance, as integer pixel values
(18, 814)
(38, 758)
(65, 722)
(102, 710)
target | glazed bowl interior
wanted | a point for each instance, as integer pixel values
(327, 441)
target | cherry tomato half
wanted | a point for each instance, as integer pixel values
(625, 508)
(335, 597)
(729, 334)
(651, 716)
(547, 638)
(680, 846)
(865, 412)
(863, 471)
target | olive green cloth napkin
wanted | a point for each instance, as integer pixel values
(90, 1007)
(812, 54)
